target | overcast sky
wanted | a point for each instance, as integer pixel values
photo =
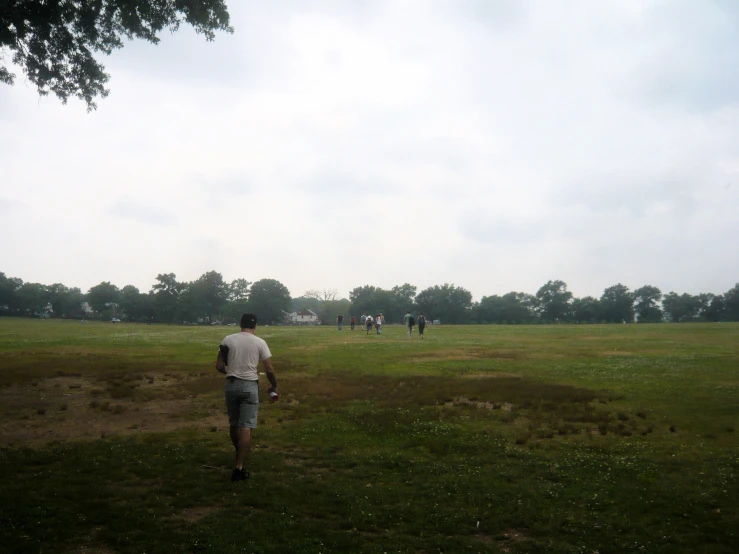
(494, 144)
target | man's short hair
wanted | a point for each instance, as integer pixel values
(248, 321)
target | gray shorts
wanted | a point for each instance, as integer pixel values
(242, 402)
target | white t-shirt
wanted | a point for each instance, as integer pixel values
(245, 351)
(369, 319)
(378, 320)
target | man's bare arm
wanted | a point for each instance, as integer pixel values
(220, 365)
(270, 371)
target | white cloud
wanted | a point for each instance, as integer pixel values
(496, 145)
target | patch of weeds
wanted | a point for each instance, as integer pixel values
(642, 414)
(94, 404)
(41, 411)
(96, 392)
(121, 390)
(439, 448)
(213, 429)
(673, 429)
(544, 433)
(75, 386)
(63, 407)
(622, 416)
(603, 428)
(521, 440)
(729, 429)
(118, 409)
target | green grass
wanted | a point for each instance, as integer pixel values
(477, 439)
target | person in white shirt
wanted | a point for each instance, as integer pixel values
(238, 358)
(369, 323)
(379, 320)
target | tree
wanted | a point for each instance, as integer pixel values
(166, 293)
(132, 304)
(214, 291)
(238, 291)
(449, 303)
(268, 299)
(238, 296)
(65, 302)
(511, 308)
(617, 304)
(731, 304)
(32, 298)
(554, 301)
(647, 299)
(104, 298)
(716, 310)
(586, 310)
(8, 287)
(362, 299)
(686, 307)
(54, 41)
(327, 305)
(57, 295)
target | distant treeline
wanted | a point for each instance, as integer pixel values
(210, 299)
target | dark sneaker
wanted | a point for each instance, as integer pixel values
(239, 475)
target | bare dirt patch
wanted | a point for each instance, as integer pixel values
(464, 354)
(62, 408)
(194, 515)
(463, 400)
(491, 375)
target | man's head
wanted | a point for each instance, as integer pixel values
(249, 321)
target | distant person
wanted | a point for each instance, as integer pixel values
(368, 323)
(339, 321)
(409, 321)
(363, 320)
(378, 323)
(352, 321)
(421, 324)
(238, 358)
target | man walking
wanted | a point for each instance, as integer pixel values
(363, 320)
(421, 324)
(409, 322)
(339, 321)
(238, 358)
(368, 322)
(353, 320)
(378, 323)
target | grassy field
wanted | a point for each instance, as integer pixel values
(477, 439)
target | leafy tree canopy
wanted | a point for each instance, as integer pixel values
(269, 299)
(54, 41)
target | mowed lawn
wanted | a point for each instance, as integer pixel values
(618, 438)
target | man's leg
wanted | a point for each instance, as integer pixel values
(241, 437)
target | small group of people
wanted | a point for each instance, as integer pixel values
(409, 321)
(366, 322)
